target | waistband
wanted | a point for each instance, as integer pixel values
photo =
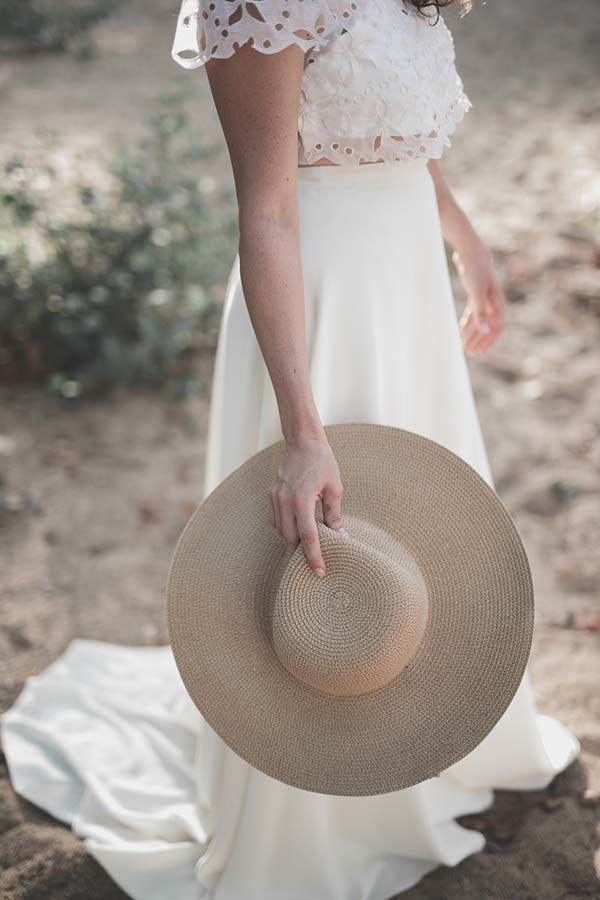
(405, 169)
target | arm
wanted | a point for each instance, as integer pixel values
(257, 98)
(483, 317)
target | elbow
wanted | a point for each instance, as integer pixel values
(268, 217)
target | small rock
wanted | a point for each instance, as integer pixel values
(551, 804)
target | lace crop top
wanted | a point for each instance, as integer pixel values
(379, 83)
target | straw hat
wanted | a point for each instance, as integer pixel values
(394, 665)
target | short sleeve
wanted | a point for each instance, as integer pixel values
(217, 28)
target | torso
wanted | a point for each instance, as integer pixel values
(384, 90)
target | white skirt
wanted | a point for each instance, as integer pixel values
(107, 739)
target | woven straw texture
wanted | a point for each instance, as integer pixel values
(393, 666)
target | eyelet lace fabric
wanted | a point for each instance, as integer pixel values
(217, 28)
(380, 82)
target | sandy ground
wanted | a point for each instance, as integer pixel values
(92, 501)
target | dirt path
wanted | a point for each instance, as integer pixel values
(91, 502)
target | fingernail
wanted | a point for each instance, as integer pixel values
(485, 328)
(342, 531)
(320, 572)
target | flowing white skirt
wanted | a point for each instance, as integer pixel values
(107, 739)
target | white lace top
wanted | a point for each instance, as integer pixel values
(380, 82)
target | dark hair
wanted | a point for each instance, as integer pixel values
(421, 5)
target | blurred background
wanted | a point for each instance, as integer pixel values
(117, 232)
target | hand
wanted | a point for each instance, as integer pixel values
(308, 471)
(483, 318)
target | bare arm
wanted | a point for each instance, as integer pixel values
(483, 318)
(257, 99)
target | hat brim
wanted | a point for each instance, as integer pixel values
(440, 707)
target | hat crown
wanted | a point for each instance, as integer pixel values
(355, 629)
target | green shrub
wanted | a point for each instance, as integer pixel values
(100, 288)
(47, 24)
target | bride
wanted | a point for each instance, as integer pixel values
(338, 308)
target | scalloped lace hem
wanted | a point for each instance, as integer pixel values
(385, 147)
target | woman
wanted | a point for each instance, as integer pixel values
(338, 308)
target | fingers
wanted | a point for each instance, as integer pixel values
(495, 305)
(478, 334)
(332, 505)
(482, 323)
(275, 518)
(282, 515)
(295, 520)
(309, 536)
(473, 330)
(308, 472)
(287, 516)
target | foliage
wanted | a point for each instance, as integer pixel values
(48, 25)
(119, 286)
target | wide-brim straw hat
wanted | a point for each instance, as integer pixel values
(390, 668)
